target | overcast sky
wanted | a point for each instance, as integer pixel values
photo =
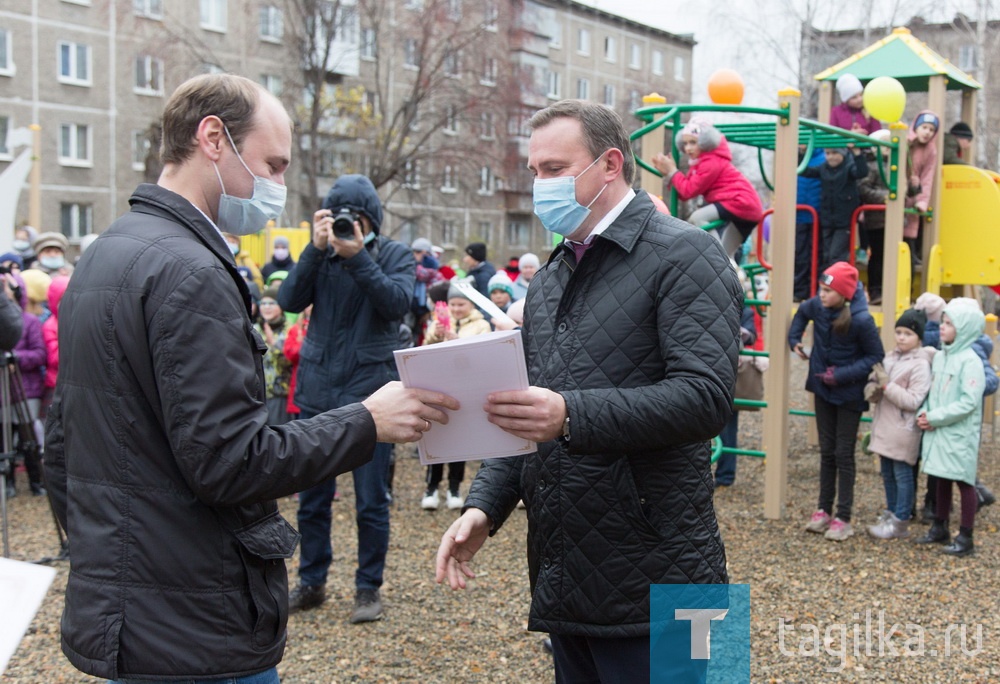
(748, 35)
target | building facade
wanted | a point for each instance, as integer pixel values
(429, 97)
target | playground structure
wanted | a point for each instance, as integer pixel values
(961, 245)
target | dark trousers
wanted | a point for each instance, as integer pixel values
(803, 259)
(838, 433)
(876, 240)
(836, 245)
(725, 467)
(969, 502)
(456, 473)
(372, 515)
(586, 660)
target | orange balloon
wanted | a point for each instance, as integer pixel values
(725, 86)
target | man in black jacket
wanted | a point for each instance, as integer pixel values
(631, 337)
(10, 315)
(159, 460)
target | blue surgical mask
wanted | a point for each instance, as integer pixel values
(246, 216)
(556, 205)
(52, 263)
(21, 246)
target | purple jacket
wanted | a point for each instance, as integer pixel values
(30, 350)
(844, 117)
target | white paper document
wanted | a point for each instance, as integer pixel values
(468, 369)
(22, 588)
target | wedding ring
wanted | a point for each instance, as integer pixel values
(428, 425)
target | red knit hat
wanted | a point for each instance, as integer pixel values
(842, 278)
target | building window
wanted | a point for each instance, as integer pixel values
(491, 15)
(582, 89)
(635, 56)
(272, 83)
(967, 58)
(449, 232)
(407, 232)
(488, 126)
(76, 220)
(448, 179)
(5, 151)
(6, 53)
(633, 100)
(371, 102)
(411, 175)
(411, 54)
(272, 24)
(450, 120)
(485, 228)
(490, 70)
(213, 15)
(140, 150)
(609, 95)
(74, 64)
(148, 75)
(78, 2)
(150, 9)
(555, 40)
(486, 181)
(657, 62)
(369, 49)
(679, 74)
(583, 41)
(74, 145)
(451, 61)
(518, 234)
(555, 86)
(610, 49)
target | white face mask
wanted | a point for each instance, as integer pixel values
(246, 216)
(280, 253)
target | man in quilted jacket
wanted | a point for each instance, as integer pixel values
(631, 338)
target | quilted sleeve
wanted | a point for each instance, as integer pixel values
(698, 323)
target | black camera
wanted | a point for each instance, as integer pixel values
(4, 268)
(343, 224)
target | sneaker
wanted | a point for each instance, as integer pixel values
(430, 501)
(839, 530)
(306, 597)
(367, 606)
(890, 527)
(819, 522)
(454, 501)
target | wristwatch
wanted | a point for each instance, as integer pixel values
(565, 434)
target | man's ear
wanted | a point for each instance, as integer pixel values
(211, 136)
(615, 162)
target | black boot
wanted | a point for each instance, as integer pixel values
(962, 546)
(984, 497)
(936, 534)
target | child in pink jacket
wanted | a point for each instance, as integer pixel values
(920, 167)
(728, 195)
(50, 333)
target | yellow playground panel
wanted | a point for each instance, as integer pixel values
(259, 244)
(968, 249)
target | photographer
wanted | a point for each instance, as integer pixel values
(10, 314)
(360, 285)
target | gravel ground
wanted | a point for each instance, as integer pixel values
(801, 585)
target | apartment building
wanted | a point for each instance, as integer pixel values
(451, 81)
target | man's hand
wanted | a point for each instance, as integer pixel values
(536, 413)
(404, 415)
(458, 545)
(322, 229)
(664, 163)
(344, 248)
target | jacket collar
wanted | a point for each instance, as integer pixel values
(625, 230)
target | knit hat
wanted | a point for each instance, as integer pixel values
(842, 151)
(702, 130)
(276, 275)
(281, 241)
(455, 293)
(500, 281)
(357, 193)
(421, 244)
(50, 239)
(245, 272)
(37, 284)
(842, 278)
(12, 256)
(477, 250)
(882, 135)
(931, 304)
(961, 130)
(927, 117)
(914, 320)
(528, 259)
(271, 293)
(848, 86)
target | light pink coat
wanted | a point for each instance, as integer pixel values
(895, 433)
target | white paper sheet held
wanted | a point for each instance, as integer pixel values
(22, 588)
(467, 369)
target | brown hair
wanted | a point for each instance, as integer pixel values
(232, 98)
(602, 129)
(842, 323)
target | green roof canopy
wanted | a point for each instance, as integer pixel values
(907, 59)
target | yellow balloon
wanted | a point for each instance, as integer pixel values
(885, 98)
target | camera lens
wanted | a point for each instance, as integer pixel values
(343, 224)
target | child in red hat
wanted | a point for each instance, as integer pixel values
(846, 345)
